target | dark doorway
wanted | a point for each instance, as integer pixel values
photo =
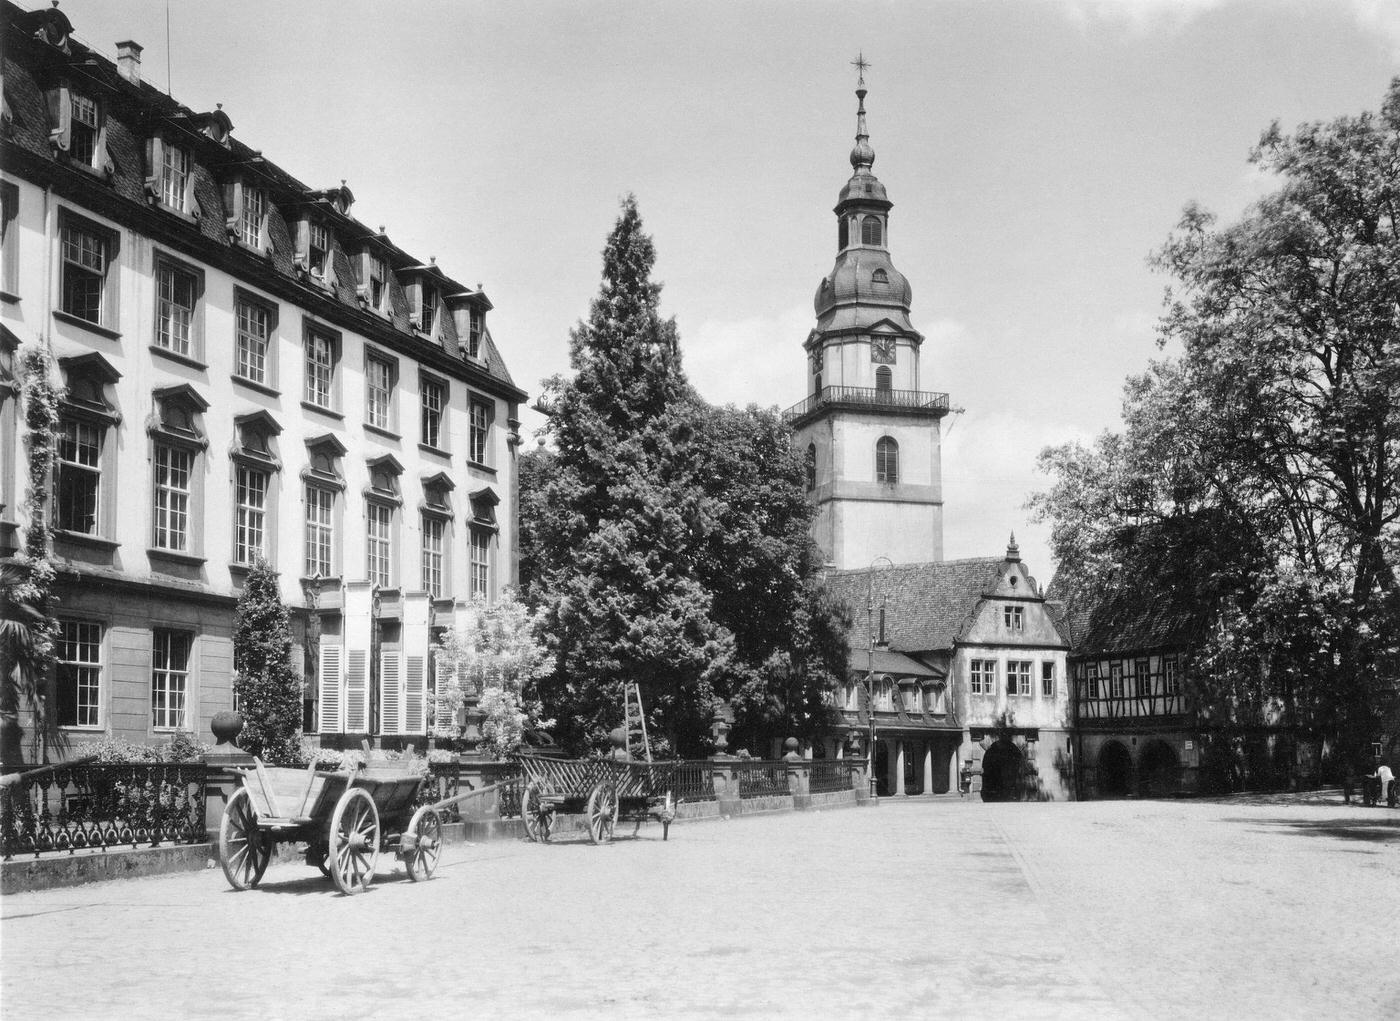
(1115, 771)
(1001, 772)
(942, 753)
(1158, 773)
(882, 769)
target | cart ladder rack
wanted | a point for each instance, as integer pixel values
(634, 719)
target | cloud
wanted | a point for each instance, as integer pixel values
(1381, 17)
(1139, 17)
(757, 360)
(989, 470)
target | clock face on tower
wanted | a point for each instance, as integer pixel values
(882, 350)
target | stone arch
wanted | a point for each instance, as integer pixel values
(1001, 772)
(1158, 769)
(1115, 770)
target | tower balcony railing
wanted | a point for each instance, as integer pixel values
(869, 398)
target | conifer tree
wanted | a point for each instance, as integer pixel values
(265, 685)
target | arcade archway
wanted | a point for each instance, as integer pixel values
(1115, 771)
(1001, 772)
(1158, 770)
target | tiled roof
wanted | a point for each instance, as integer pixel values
(1138, 616)
(883, 661)
(926, 605)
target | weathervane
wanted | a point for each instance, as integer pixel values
(860, 64)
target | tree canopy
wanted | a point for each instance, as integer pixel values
(268, 690)
(664, 540)
(1270, 438)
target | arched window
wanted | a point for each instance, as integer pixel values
(880, 280)
(882, 383)
(886, 460)
(810, 464)
(843, 234)
(870, 232)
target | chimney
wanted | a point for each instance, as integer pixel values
(129, 61)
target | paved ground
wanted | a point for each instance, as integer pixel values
(934, 908)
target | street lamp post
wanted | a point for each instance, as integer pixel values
(870, 663)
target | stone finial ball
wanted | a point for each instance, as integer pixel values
(791, 744)
(618, 736)
(226, 726)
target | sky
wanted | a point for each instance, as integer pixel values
(1036, 152)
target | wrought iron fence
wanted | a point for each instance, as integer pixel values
(863, 397)
(100, 805)
(829, 775)
(690, 780)
(508, 798)
(761, 779)
(442, 781)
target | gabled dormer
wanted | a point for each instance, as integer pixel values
(469, 310)
(424, 287)
(78, 108)
(371, 266)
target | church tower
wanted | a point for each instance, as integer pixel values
(868, 429)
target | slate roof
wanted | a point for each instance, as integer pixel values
(884, 661)
(926, 605)
(1137, 616)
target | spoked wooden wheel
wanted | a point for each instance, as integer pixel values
(538, 820)
(426, 828)
(602, 814)
(354, 840)
(244, 850)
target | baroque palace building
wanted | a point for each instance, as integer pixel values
(247, 372)
(957, 668)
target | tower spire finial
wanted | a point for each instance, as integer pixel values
(862, 155)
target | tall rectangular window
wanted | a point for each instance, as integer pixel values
(251, 216)
(85, 264)
(174, 175)
(476, 326)
(170, 677)
(254, 336)
(250, 519)
(1170, 684)
(318, 249)
(379, 392)
(320, 369)
(78, 477)
(433, 399)
(1092, 680)
(982, 676)
(480, 575)
(1115, 680)
(480, 431)
(1047, 680)
(172, 497)
(79, 655)
(177, 291)
(434, 528)
(379, 543)
(1142, 678)
(427, 306)
(320, 531)
(1018, 677)
(82, 137)
(9, 238)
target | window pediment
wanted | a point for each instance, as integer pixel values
(177, 413)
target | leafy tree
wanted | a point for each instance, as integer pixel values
(496, 652)
(1281, 418)
(265, 685)
(665, 541)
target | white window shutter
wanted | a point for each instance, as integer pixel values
(357, 692)
(330, 702)
(155, 166)
(390, 692)
(302, 256)
(415, 696)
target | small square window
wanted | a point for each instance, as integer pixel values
(1014, 618)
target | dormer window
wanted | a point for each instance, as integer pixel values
(477, 321)
(426, 306)
(175, 176)
(318, 250)
(246, 208)
(83, 127)
(370, 275)
(880, 280)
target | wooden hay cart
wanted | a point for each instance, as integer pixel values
(345, 818)
(605, 791)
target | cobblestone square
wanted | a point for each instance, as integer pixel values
(1274, 908)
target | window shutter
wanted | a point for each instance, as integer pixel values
(441, 723)
(60, 118)
(101, 158)
(415, 697)
(233, 206)
(330, 702)
(265, 232)
(191, 200)
(155, 166)
(302, 255)
(357, 692)
(390, 692)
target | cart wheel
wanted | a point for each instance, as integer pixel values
(318, 856)
(538, 820)
(602, 814)
(354, 841)
(244, 850)
(426, 828)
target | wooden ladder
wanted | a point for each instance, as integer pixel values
(635, 720)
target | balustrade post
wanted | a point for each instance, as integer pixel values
(799, 776)
(860, 778)
(220, 780)
(725, 777)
